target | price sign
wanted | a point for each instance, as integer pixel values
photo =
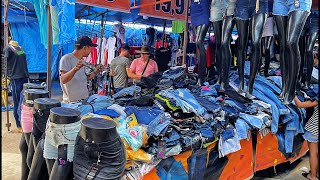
(116, 5)
(174, 9)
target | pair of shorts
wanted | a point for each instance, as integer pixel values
(310, 137)
(284, 7)
(200, 12)
(312, 24)
(221, 8)
(246, 9)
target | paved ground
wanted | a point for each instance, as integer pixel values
(11, 158)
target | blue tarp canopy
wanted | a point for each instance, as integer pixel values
(25, 28)
(82, 12)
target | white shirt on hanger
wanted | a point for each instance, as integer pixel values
(111, 46)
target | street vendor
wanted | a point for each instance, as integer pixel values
(73, 78)
(143, 66)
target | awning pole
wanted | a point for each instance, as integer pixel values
(49, 50)
(164, 32)
(6, 36)
(185, 37)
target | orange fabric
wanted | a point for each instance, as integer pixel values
(240, 164)
(267, 153)
(184, 159)
(151, 175)
(174, 12)
(116, 5)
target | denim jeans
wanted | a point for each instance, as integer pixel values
(112, 158)
(173, 73)
(185, 100)
(221, 8)
(276, 79)
(59, 134)
(16, 87)
(255, 120)
(94, 103)
(197, 164)
(246, 9)
(208, 91)
(156, 126)
(284, 7)
(242, 129)
(127, 91)
(171, 169)
(229, 146)
(145, 115)
(210, 106)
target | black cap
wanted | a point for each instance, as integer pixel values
(85, 41)
(125, 47)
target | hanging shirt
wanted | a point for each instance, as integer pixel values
(150, 36)
(121, 32)
(111, 46)
(94, 51)
(16, 62)
(178, 26)
(162, 57)
(103, 46)
(200, 12)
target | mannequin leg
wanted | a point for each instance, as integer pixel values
(258, 22)
(267, 59)
(30, 151)
(309, 57)
(38, 168)
(50, 163)
(201, 32)
(227, 28)
(302, 49)
(281, 22)
(243, 32)
(296, 22)
(217, 29)
(27, 137)
(24, 151)
(62, 172)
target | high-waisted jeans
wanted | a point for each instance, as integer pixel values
(112, 159)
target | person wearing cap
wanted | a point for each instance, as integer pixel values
(143, 66)
(119, 68)
(18, 74)
(73, 78)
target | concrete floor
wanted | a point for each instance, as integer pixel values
(11, 157)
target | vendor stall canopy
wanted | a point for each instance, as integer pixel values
(24, 11)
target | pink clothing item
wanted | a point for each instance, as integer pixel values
(26, 118)
(138, 66)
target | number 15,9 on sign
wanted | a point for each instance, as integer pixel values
(171, 7)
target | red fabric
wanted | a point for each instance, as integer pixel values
(94, 51)
(159, 44)
(210, 52)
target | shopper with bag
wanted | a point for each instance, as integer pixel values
(143, 66)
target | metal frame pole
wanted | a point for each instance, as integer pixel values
(49, 50)
(185, 37)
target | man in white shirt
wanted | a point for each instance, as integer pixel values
(73, 79)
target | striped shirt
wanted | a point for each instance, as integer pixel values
(312, 124)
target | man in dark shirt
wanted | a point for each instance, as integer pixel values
(18, 74)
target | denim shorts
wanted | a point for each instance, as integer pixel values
(284, 7)
(312, 24)
(220, 8)
(246, 9)
(310, 137)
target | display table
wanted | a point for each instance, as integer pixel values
(237, 165)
